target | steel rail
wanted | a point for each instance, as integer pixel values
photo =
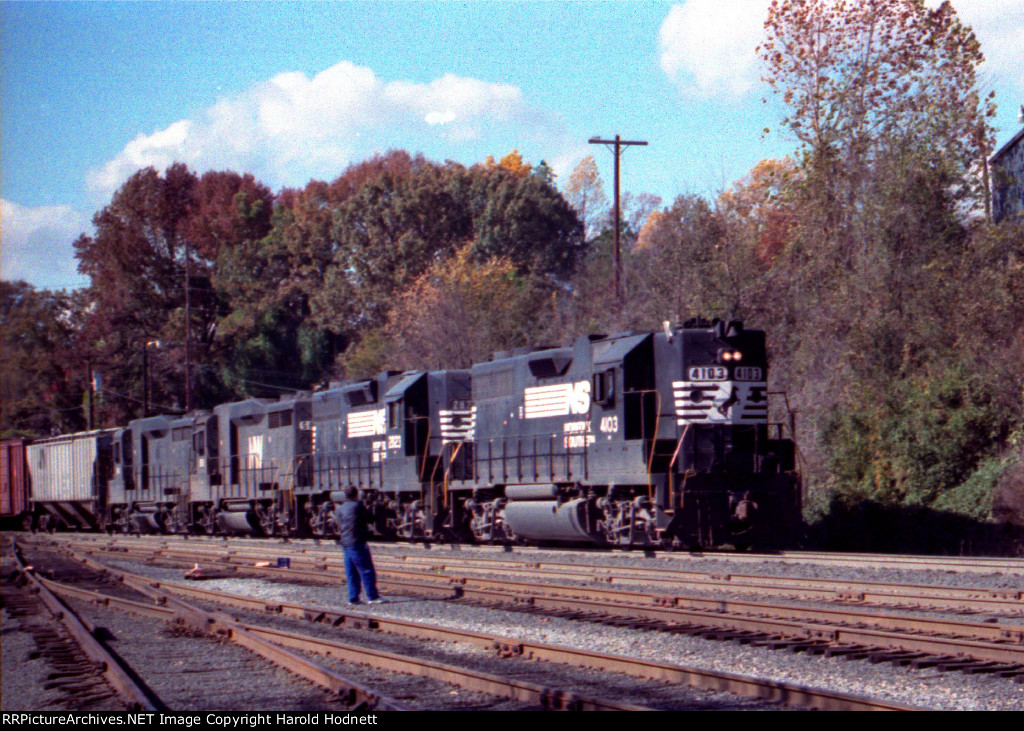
(132, 691)
(788, 621)
(773, 691)
(551, 699)
(976, 599)
(275, 645)
(354, 694)
(469, 587)
(969, 564)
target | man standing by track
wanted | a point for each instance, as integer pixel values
(353, 529)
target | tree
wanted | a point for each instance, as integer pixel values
(585, 193)
(760, 208)
(40, 388)
(513, 162)
(386, 234)
(136, 266)
(678, 267)
(869, 81)
(896, 312)
(857, 73)
(269, 284)
(455, 314)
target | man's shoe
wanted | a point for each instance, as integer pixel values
(354, 603)
(378, 600)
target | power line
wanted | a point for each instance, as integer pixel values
(616, 146)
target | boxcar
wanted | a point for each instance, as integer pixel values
(14, 485)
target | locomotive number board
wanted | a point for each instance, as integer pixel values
(721, 373)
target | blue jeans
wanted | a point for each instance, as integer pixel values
(359, 563)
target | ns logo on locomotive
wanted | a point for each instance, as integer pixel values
(641, 438)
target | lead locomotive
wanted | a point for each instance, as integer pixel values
(644, 439)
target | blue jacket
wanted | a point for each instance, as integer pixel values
(353, 522)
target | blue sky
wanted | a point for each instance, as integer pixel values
(91, 92)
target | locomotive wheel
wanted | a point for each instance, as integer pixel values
(207, 523)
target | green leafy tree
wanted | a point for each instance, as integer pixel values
(269, 284)
(524, 219)
(41, 383)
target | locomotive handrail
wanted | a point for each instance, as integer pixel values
(672, 464)
(426, 452)
(553, 456)
(351, 464)
(654, 439)
(451, 461)
(247, 479)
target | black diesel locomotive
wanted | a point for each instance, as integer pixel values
(636, 439)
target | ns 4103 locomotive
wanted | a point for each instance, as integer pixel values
(636, 439)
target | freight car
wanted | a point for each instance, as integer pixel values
(14, 485)
(69, 477)
(636, 439)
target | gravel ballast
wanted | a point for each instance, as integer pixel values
(923, 688)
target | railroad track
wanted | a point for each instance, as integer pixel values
(990, 602)
(979, 600)
(290, 650)
(84, 673)
(769, 691)
(946, 644)
(982, 565)
(158, 654)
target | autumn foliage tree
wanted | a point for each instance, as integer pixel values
(873, 87)
(584, 191)
(136, 262)
(456, 313)
(876, 269)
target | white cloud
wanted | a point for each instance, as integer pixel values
(36, 245)
(999, 27)
(708, 47)
(293, 127)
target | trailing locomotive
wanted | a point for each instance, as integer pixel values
(637, 439)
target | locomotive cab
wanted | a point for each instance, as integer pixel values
(732, 478)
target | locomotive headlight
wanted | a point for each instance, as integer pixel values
(730, 356)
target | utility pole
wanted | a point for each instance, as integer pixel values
(188, 326)
(92, 391)
(616, 146)
(145, 375)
